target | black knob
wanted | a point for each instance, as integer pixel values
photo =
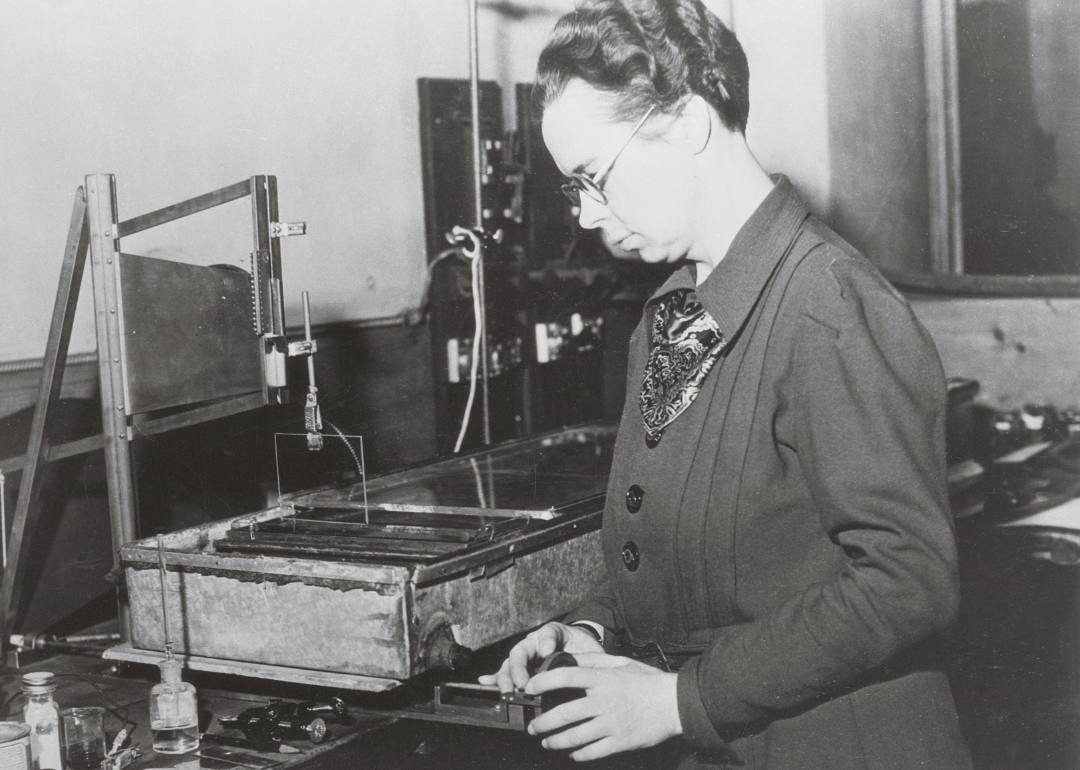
(634, 496)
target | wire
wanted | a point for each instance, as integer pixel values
(356, 459)
(479, 482)
(474, 255)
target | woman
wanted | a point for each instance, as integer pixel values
(777, 521)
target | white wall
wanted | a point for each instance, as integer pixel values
(1022, 351)
(178, 99)
(877, 130)
(837, 103)
(788, 128)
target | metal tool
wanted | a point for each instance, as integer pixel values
(120, 759)
(485, 705)
(280, 721)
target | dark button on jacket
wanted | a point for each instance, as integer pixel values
(631, 557)
(634, 497)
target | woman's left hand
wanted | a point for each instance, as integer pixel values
(627, 705)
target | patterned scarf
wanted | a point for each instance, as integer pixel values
(685, 343)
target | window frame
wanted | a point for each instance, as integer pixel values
(946, 225)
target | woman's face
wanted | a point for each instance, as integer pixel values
(650, 188)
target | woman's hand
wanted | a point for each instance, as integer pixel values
(627, 705)
(545, 640)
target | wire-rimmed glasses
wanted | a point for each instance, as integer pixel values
(593, 186)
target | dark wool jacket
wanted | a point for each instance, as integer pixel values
(790, 535)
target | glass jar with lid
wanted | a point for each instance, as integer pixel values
(43, 716)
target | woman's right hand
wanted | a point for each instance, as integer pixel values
(542, 642)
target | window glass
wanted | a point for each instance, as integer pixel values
(1019, 73)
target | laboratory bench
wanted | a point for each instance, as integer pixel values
(375, 737)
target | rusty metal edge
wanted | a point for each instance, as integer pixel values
(125, 652)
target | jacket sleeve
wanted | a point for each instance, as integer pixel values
(867, 398)
(600, 607)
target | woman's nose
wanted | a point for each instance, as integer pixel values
(590, 213)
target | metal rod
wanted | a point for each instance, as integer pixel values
(143, 428)
(492, 688)
(198, 415)
(79, 638)
(307, 336)
(474, 106)
(164, 597)
(277, 466)
(485, 407)
(73, 448)
(30, 364)
(363, 475)
(184, 208)
(478, 200)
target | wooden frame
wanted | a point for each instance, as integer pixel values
(943, 137)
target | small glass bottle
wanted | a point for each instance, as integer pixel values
(43, 716)
(174, 714)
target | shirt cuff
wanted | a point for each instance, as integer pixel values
(698, 729)
(599, 630)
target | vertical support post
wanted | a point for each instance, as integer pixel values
(52, 374)
(943, 136)
(105, 269)
(269, 304)
(478, 195)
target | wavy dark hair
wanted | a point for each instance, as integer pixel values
(647, 52)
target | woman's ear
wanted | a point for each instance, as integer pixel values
(693, 127)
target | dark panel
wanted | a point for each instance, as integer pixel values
(1016, 652)
(446, 149)
(70, 550)
(188, 334)
(446, 152)
(384, 391)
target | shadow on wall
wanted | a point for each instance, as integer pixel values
(1009, 162)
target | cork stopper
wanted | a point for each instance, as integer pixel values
(170, 670)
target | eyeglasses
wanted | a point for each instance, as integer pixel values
(594, 186)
